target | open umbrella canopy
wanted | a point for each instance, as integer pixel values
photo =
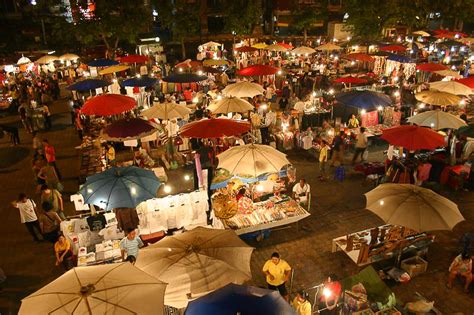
(215, 62)
(184, 78)
(196, 262)
(87, 85)
(467, 82)
(143, 81)
(230, 105)
(188, 63)
(252, 159)
(286, 45)
(303, 50)
(108, 105)
(102, 63)
(276, 47)
(259, 45)
(328, 47)
(449, 73)
(421, 33)
(467, 131)
(47, 59)
(258, 70)
(393, 48)
(212, 70)
(413, 207)
(128, 129)
(211, 44)
(113, 69)
(452, 87)
(360, 57)
(413, 137)
(245, 49)
(363, 99)
(238, 299)
(214, 128)
(243, 89)
(134, 59)
(120, 187)
(23, 60)
(68, 57)
(431, 67)
(350, 80)
(166, 111)
(438, 98)
(104, 289)
(437, 120)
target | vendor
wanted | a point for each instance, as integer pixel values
(244, 203)
(330, 296)
(301, 304)
(353, 122)
(461, 266)
(301, 192)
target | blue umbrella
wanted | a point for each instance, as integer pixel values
(364, 99)
(102, 63)
(184, 78)
(120, 187)
(140, 82)
(399, 58)
(87, 85)
(245, 300)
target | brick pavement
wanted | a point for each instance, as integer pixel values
(338, 209)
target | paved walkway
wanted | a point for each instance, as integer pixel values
(338, 209)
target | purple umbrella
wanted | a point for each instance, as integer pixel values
(128, 129)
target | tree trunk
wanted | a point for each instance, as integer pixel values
(183, 49)
(305, 35)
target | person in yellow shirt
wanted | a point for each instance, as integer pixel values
(323, 159)
(110, 154)
(277, 272)
(301, 304)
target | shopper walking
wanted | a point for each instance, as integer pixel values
(50, 154)
(277, 272)
(28, 215)
(301, 304)
(55, 200)
(361, 145)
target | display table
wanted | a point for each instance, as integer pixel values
(381, 243)
(266, 215)
(90, 162)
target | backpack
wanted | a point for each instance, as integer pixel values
(340, 173)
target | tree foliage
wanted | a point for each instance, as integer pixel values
(305, 18)
(241, 16)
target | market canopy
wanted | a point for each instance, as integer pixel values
(360, 57)
(258, 70)
(120, 187)
(230, 105)
(393, 48)
(252, 159)
(113, 69)
(197, 262)
(431, 67)
(108, 105)
(243, 89)
(184, 78)
(87, 85)
(421, 33)
(328, 47)
(68, 57)
(166, 111)
(134, 59)
(46, 59)
(239, 299)
(438, 98)
(413, 137)
(276, 47)
(214, 128)
(245, 49)
(142, 81)
(104, 289)
(413, 207)
(363, 99)
(128, 129)
(188, 63)
(303, 50)
(286, 45)
(437, 120)
(102, 63)
(452, 87)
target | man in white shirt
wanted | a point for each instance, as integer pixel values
(361, 145)
(27, 208)
(301, 192)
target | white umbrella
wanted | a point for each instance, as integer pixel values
(243, 89)
(449, 73)
(211, 44)
(303, 50)
(276, 47)
(46, 59)
(68, 57)
(230, 105)
(413, 207)
(421, 33)
(166, 111)
(197, 262)
(23, 60)
(438, 98)
(452, 87)
(437, 120)
(328, 47)
(252, 159)
(104, 289)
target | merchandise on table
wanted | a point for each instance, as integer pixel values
(106, 251)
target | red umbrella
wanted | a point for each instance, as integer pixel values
(108, 105)
(214, 128)
(467, 81)
(360, 57)
(393, 48)
(285, 45)
(193, 64)
(245, 49)
(350, 80)
(448, 34)
(128, 129)
(430, 67)
(413, 137)
(258, 70)
(134, 59)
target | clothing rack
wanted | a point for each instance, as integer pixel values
(87, 214)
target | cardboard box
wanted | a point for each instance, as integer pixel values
(414, 266)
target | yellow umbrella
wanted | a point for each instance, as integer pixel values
(328, 47)
(259, 45)
(215, 62)
(113, 69)
(438, 98)
(230, 105)
(452, 87)
(243, 89)
(276, 47)
(46, 59)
